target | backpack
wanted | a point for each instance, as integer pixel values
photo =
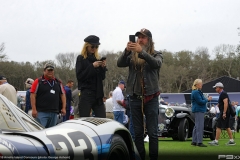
(58, 82)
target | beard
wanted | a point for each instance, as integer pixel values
(139, 61)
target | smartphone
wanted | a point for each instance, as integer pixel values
(132, 38)
(103, 58)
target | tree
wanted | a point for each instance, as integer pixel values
(3, 56)
(66, 60)
(225, 56)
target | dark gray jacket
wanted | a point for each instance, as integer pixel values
(150, 71)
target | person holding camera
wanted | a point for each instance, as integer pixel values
(90, 72)
(143, 88)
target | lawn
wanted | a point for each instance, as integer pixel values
(169, 149)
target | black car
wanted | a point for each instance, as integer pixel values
(178, 122)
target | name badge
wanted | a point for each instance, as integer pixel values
(52, 91)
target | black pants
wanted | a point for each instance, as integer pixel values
(88, 101)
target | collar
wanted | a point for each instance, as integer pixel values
(44, 77)
(221, 92)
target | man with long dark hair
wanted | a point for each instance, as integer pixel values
(143, 89)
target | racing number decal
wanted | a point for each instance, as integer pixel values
(60, 138)
(75, 136)
(72, 146)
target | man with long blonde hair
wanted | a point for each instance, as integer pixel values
(143, 89)
(90, 72)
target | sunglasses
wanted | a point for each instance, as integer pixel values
(50, 70)
(94, 47)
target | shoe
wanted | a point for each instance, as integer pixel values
(230, 143)
(201, 145)
(213, 143)
(146, 139)
(193, 144)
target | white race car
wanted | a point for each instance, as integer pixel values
(21, 137)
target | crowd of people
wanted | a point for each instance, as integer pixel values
(46, 97)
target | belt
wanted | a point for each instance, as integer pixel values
(109, 112)
(136, 96)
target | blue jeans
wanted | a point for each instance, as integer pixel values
(66, 117)
(130, 127)
(150, 110)
(118, 116)
(47, 119)
(197, 134)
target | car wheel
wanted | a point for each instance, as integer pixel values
(118, 149)
(183, 130)
(175, 137)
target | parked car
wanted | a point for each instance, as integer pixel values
(83, 138)
(178, 122)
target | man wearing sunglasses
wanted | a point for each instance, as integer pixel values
(47, 98)
(90, 72)
(143, 89)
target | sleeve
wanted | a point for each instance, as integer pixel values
(34, 87)
(62, 88)
(153, 61)
(224, 95)
(119, 96)
(81, 73)
(103, 72)
(199, 99)
(124, 59)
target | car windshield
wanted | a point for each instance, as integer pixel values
(8, 121)
(14, 119)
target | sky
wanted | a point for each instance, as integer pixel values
(38, 30)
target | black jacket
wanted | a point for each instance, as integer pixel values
(151, 71)
(88, 77)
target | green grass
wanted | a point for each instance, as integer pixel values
(169, 149)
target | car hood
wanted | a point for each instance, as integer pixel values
(176, 108)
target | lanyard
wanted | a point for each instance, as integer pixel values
(50, 84)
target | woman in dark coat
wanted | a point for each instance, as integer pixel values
(90, 72)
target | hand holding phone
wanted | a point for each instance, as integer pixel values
(132, 38)
(103, 58)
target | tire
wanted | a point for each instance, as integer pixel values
(183, 130)
(175, 137)
(118, 149)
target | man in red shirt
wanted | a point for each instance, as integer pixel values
(47, 94)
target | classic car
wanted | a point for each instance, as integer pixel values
(21, 137)
(178, 122)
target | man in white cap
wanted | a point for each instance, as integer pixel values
(224, 117)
